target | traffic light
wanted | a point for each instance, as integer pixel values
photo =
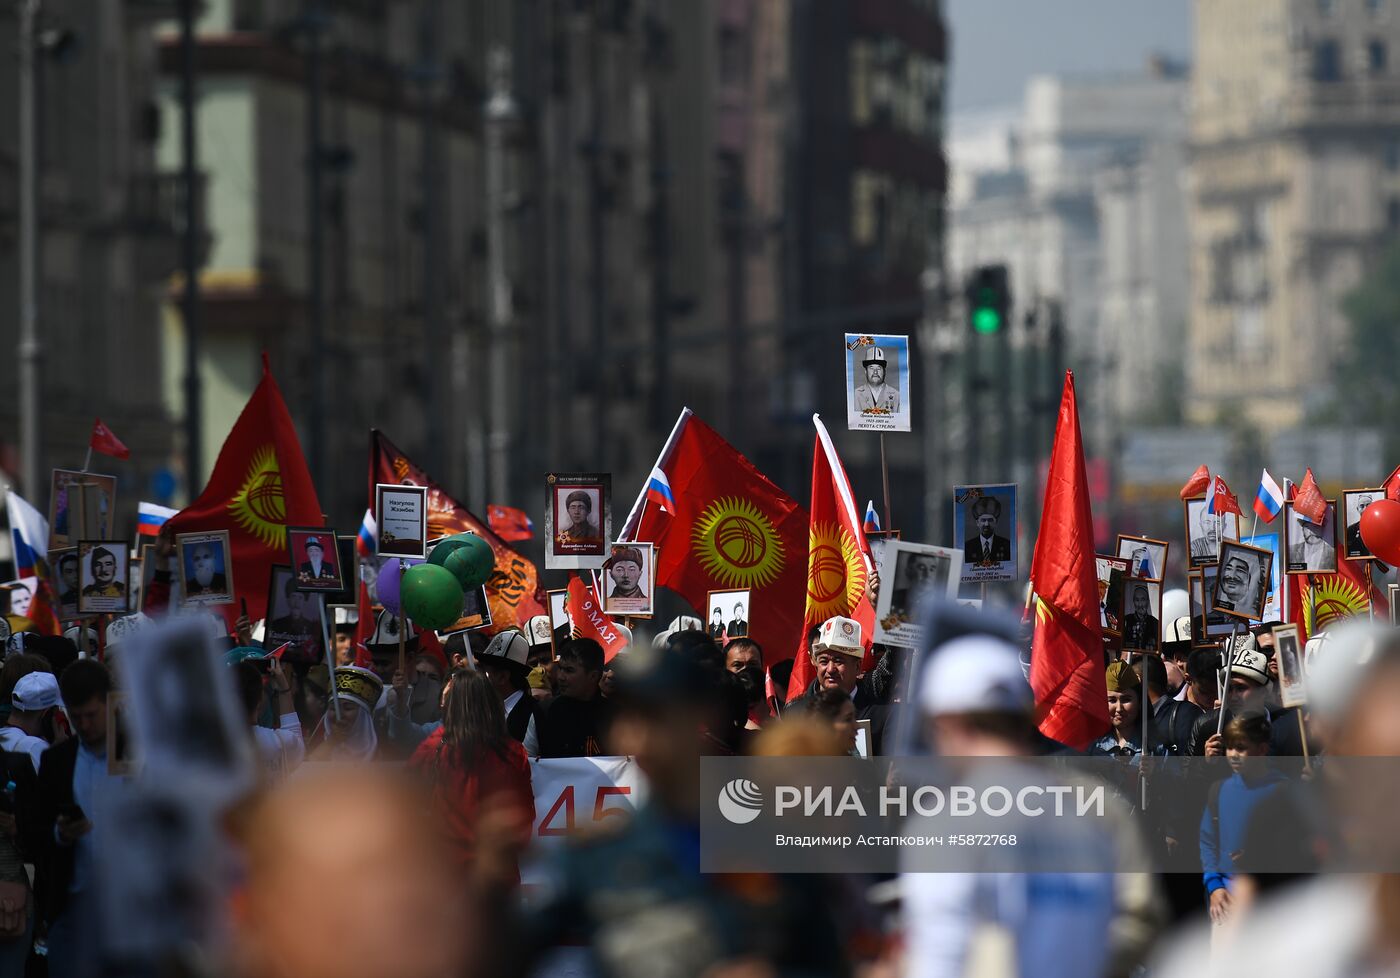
(989, 300)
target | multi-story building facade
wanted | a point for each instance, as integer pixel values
(1295, 187)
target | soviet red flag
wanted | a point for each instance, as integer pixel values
(1197, 483)
(839, 566)
(1067, 671)
(514, 588)
(586, 613)
(103, 441)
(719, 524)
(1309, 502)
(510, 524)
(259, 487)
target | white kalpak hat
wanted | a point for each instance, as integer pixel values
(975, 674)
(839, 635)
(539, 630)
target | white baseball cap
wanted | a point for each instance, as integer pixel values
(35, 692)
(975, 674)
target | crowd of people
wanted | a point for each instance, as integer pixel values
(414, 868)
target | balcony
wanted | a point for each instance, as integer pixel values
(155, 216)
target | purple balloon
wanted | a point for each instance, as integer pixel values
(386, 585)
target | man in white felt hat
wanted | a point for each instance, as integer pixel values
(876, 396)
(836, 653)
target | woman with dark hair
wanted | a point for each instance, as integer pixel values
(472, 762)
(836, 708)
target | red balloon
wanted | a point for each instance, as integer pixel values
(1380, 530)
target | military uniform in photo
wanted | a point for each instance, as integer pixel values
(873, 398)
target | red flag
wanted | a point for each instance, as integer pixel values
(514, 588)
(42, 611)
(259, 487)
(104, 442)
(1067, 671)
(726, 527)
(1197, 483)
(364, 626)
(510, 524)
(1309, 502)
(1224, 500)
(586, 612)
(839, 566)
(1392, 485)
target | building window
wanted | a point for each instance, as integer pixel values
(1327, 61)
(1376, 57)
(1324, 7)
(1390, 156)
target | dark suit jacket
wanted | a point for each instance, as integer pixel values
(972, 550)
(518, 719)
(53, 862)
(1151, 629)
(871, 699)
(737, 628)
(326, 572)
(217, 585)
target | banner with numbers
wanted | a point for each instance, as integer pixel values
(578, 793)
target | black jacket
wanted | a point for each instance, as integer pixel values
(573, 728)
(53, 862)
(1284, 739)
(518, 719)
(1175, 720)
(871, 697)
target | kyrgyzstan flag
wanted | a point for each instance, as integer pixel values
(514, 588)
(839, 567)
(1067, 671)
(259, 487)
(724, 527)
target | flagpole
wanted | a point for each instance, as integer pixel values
(87, 459)
(330, 656)
(403, 627)
(1370, 605)
(885, 476)
(634, 516)
(1283, 560)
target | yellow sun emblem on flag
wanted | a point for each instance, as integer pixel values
(836, 572)
(259, 506)
(737, 544)
(1044, 614)
(1337, 599)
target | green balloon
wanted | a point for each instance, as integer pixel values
(447, 546)
(430, 596)
(471, 563)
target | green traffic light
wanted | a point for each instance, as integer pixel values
(985, 319)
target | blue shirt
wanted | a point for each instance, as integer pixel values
(1225, 823)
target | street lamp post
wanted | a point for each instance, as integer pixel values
(30, 350)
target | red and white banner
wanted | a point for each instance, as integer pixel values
(574, 794)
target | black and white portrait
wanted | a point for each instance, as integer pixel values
(1147, 558)
(1292, 692)
(64, 564)
(919, 571)
(293, 616)
(1312, 547)
(561, 626)
(1242, 581)
(877, 382)
(629, 587)
(728, 613)
(1142, 620)
(1206, 530)
(102, 576)
(1355, 502)
(578, 521)
(206, 570)
(1112, 575)
(984, 525)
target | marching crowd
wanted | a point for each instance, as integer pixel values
(414, 868)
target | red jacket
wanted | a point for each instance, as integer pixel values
(459, 789)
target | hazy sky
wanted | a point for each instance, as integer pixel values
(998, 44)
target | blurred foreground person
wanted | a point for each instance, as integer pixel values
(976, 703)
(473, 760)
(633, 897)
(1346, 924)
(345, 879)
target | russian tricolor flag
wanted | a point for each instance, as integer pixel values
(1268, 501)
(872, 519)
(30, 532)
(659, 492)
(367, 543)
(150, 518)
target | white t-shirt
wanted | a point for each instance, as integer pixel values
(16, 741)
(281, 750)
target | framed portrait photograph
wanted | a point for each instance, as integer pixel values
(349, 596)
(136, 594)
(1142, 618)
(80, 504)
(629, 580)
(877, 382)
(864, 737)
(562, 627)
(1206, 530)
(984, 525)
(578, 520)
(103, 568)
(728, 613)
(1242, 580)
(1147, 558)
(913, 572)
(1196, 597)
(206, 568)
(1112, 574)
(293, 618)
(313, 552)
(1311, 549)
(1219, 626)
(476, 612)
(64, 564)
(1354, 503)
(18, 595)
(1291, 688)
(1273, 607)
(402, 512)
